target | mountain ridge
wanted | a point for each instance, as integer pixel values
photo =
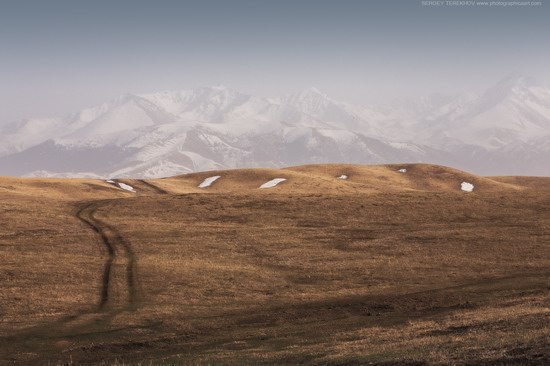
(504, 130)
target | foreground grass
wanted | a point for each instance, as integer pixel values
(335, 277)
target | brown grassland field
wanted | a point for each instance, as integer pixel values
(384, 268)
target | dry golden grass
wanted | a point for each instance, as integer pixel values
(382, 268)
(322, 179)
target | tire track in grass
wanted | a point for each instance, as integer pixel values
(152, 186)
(114, 244)
(42, 337)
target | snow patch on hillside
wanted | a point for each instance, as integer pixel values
(272, 183)
(467, 187)
(208, 181)
(126, 187)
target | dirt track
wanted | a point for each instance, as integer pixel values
(115, 244)
(151, 186)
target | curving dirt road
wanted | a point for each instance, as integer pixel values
(153, 187)
(115, 244)
(116, 247)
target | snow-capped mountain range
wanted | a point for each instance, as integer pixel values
(504, 131)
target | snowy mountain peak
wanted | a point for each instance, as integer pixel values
(309, 93)
(517, 79)
(172, 132)
(219, 87)
(516, 89)
(514, 85)
(125, 97)
(310, 100)
(313, 91)
(515, 110)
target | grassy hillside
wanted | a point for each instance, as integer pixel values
(323, 179)
(383, 267)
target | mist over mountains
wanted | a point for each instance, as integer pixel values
(503, 131)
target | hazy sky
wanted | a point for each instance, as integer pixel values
(60, 56)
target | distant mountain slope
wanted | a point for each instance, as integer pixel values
(504, 131)
(515, 110)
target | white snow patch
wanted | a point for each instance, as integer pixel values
(126, 187)
(467, 187)
(208, 181)
(343, 177)
(272, 183)
(110, 181)
(402, 170)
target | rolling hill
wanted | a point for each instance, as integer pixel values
(393, 264)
